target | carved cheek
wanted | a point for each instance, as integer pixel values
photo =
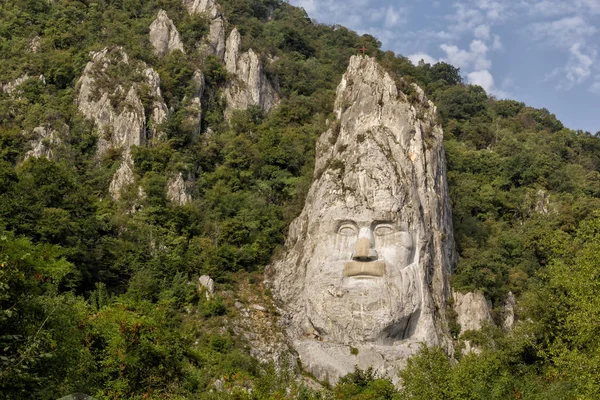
(345, 247)
(397, 250)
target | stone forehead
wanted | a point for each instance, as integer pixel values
(377, 183)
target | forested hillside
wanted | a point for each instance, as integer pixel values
(99, 295)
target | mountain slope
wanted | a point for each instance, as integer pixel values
(95, 292)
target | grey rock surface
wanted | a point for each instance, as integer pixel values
(208, 284)
(510, 308)
(472, 309)
(367, 262)
(45, 139)
(121, 123)
(193, 106)
(11, 86)
(250, 85)
(164, 36)
(208, 7)
(34, 44)
(176, 191)
(123, 177)
(214, 44)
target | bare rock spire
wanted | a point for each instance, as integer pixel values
(164, 35)
(249, 85)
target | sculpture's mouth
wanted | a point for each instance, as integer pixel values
(364, 269)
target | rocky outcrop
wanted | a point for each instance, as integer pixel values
(207, 285)
(10, 87)
(176, 191)
(249, 86)
(159, 108)
(510, 309)
(45, 140)
(123, 177)
(214, 44)
(34, 44)
(364, 276)
(164, 36)
(117, 110)
(472, 309)
(208, 7)
(193, 106)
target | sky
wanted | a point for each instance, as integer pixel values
(545, 53)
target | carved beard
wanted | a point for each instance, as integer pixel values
(379, 310)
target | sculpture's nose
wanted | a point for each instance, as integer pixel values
(364, 246)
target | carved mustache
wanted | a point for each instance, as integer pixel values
(358, 268)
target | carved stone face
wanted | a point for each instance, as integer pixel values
(363, 278)
(367, 261)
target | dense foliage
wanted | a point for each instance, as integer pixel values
(95, 298)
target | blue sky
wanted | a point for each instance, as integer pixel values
(545, 53)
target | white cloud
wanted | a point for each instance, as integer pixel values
(553, 8)
(497, 44)
(482, 32)
(595, 88)
(494, 10)
(579, 67)
(474, 58)
(417, 57)
(482, 78)
(485, 79)
(392, 17)
(309, 5)
(563, 32)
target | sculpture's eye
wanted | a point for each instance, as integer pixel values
(382, 230)
(347, 230)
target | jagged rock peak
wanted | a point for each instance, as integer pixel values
(176, 190)
(214, 44)
(250, 85)
(209, 7)
(164, 35)
(118, 111)
(366, 264)
(232, 49)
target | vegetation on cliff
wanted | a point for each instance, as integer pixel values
(96, 298)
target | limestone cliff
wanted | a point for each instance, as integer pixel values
(249, 85)
(116, 107)
(472, 309)
(214, 44)
(164, 36)
(364, 277)
(176, 190)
